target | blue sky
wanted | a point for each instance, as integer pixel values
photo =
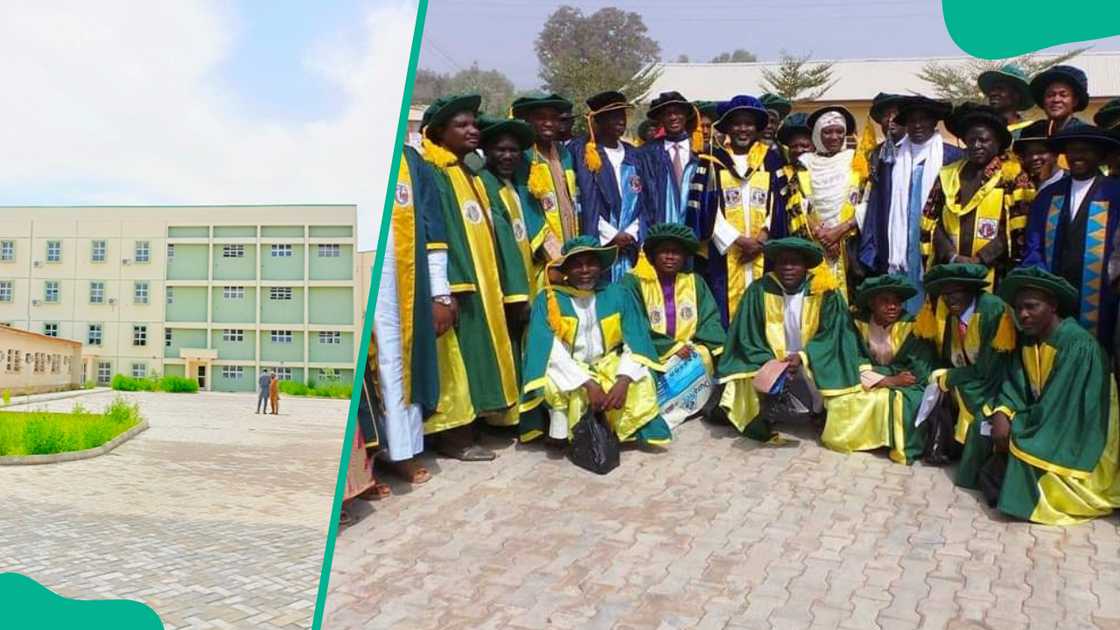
(828, 29)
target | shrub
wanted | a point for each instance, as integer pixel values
(178, 385)
(41, 432)
(6, 395)
(89, 385)
(333, 389)
(124, 383)
(293, 388)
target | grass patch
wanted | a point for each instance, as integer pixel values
(325, 389)
(178, 385)
(43, 433)
(169, 384)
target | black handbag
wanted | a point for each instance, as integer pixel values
(595, 446)
(990, 478)
(941, 444)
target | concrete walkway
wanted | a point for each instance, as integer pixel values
(215, 516)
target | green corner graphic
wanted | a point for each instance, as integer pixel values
(1028, 25)
(28, 604)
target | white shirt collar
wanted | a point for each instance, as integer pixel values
(966, 316)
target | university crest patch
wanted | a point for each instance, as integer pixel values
(404, 195)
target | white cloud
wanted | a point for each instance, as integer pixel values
(122, 98)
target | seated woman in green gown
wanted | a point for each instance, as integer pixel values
(589, 350)
(901, 362)
(1051, 445)
(683, 317)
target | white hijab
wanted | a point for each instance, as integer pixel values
(828, 175)
(898, 227)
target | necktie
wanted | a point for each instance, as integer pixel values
(678, 164)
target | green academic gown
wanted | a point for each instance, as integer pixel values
(696, 314)
(1061, 397)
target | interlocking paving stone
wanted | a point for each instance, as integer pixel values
(716, 532)
(215, 517)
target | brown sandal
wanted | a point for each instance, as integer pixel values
(411, 471)
(378, 491)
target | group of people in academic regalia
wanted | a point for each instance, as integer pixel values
(945, 300)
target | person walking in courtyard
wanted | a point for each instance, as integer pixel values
(274, 393)
(263, 383)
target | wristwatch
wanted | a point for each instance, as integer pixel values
(442, 299)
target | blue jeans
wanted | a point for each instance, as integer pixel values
(262, 401)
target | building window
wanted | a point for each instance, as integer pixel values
(166, 337)
(233, 251)
(12, 364)
(140, 292)
(330, 337)
(282, 251)
(93, 335)
(97, 292)
(97, 252)
(330, 250)
(280, 293)
(139, 335)
(104, 372)
(232, 371)
(139, 370)
(5, 290)
(233, 335)
(233, 293)
(170, 291)
(143, 252)
(50, 291)
(281, 336)
(50, 329)
(54, 251)
(7, 251)
(171, 251)
(283, 373)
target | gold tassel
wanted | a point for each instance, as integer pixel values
(1005, 338)
(697, 132)
(540, 179)
(436, 154)
(823, 280)
(925, 326)
(591, 150)
(1010, 169)
(867, 142)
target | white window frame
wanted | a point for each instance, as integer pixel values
(104, 372)
(281, 250)
(233, 372)
(280, 294)
(281, 336)
(330, 250)
(50, 329)
(7, 251)
(330, 337)
(90, 330)
(233, 335)
(233, 293)
(6, 291)
(233, 251)
(282, 373)
(170, 251)
(98, 250)
(170, 293)
(142, 372)
(139, 335)
(142, 252)
(140, 292)
(54, 251)
(96, 292)
(52, 296)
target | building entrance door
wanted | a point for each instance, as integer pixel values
(202, 377)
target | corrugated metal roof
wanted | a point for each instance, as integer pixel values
(856, 79)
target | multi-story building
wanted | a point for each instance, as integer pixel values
(216, 293)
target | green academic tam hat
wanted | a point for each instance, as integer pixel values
(893, 283)
(968, 274)
(1013, 75)
(1108, 117)
(586, 244)
(529, 102)
(810, 251)
(444, 108)
(707, 109)
(1037, 278)
(795, 123)
(674, 232)
(494, 128)
(779, 104)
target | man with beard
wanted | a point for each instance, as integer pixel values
(1072, 228)
(610, 188)
(1009, 93)
(891, 237)
(1050, 444)
(589, 350)
(666, 166)
(485, 277)
(739, 203)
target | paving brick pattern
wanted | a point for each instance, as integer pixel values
(715, 533)
(215, 517)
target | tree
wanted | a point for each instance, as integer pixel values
(683, 59)
(796, 79)
(608, 50)
(496, 89)
(739, 55)
(957, 82)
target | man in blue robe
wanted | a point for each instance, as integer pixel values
(666, 165)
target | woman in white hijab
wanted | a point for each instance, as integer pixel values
(829, 190)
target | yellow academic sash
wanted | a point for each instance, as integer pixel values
(988, 202)
(520, 233)
(749, 217)
(686, 305)
(804, 220)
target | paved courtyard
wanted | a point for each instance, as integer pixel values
(215, 517)
(715, 533)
